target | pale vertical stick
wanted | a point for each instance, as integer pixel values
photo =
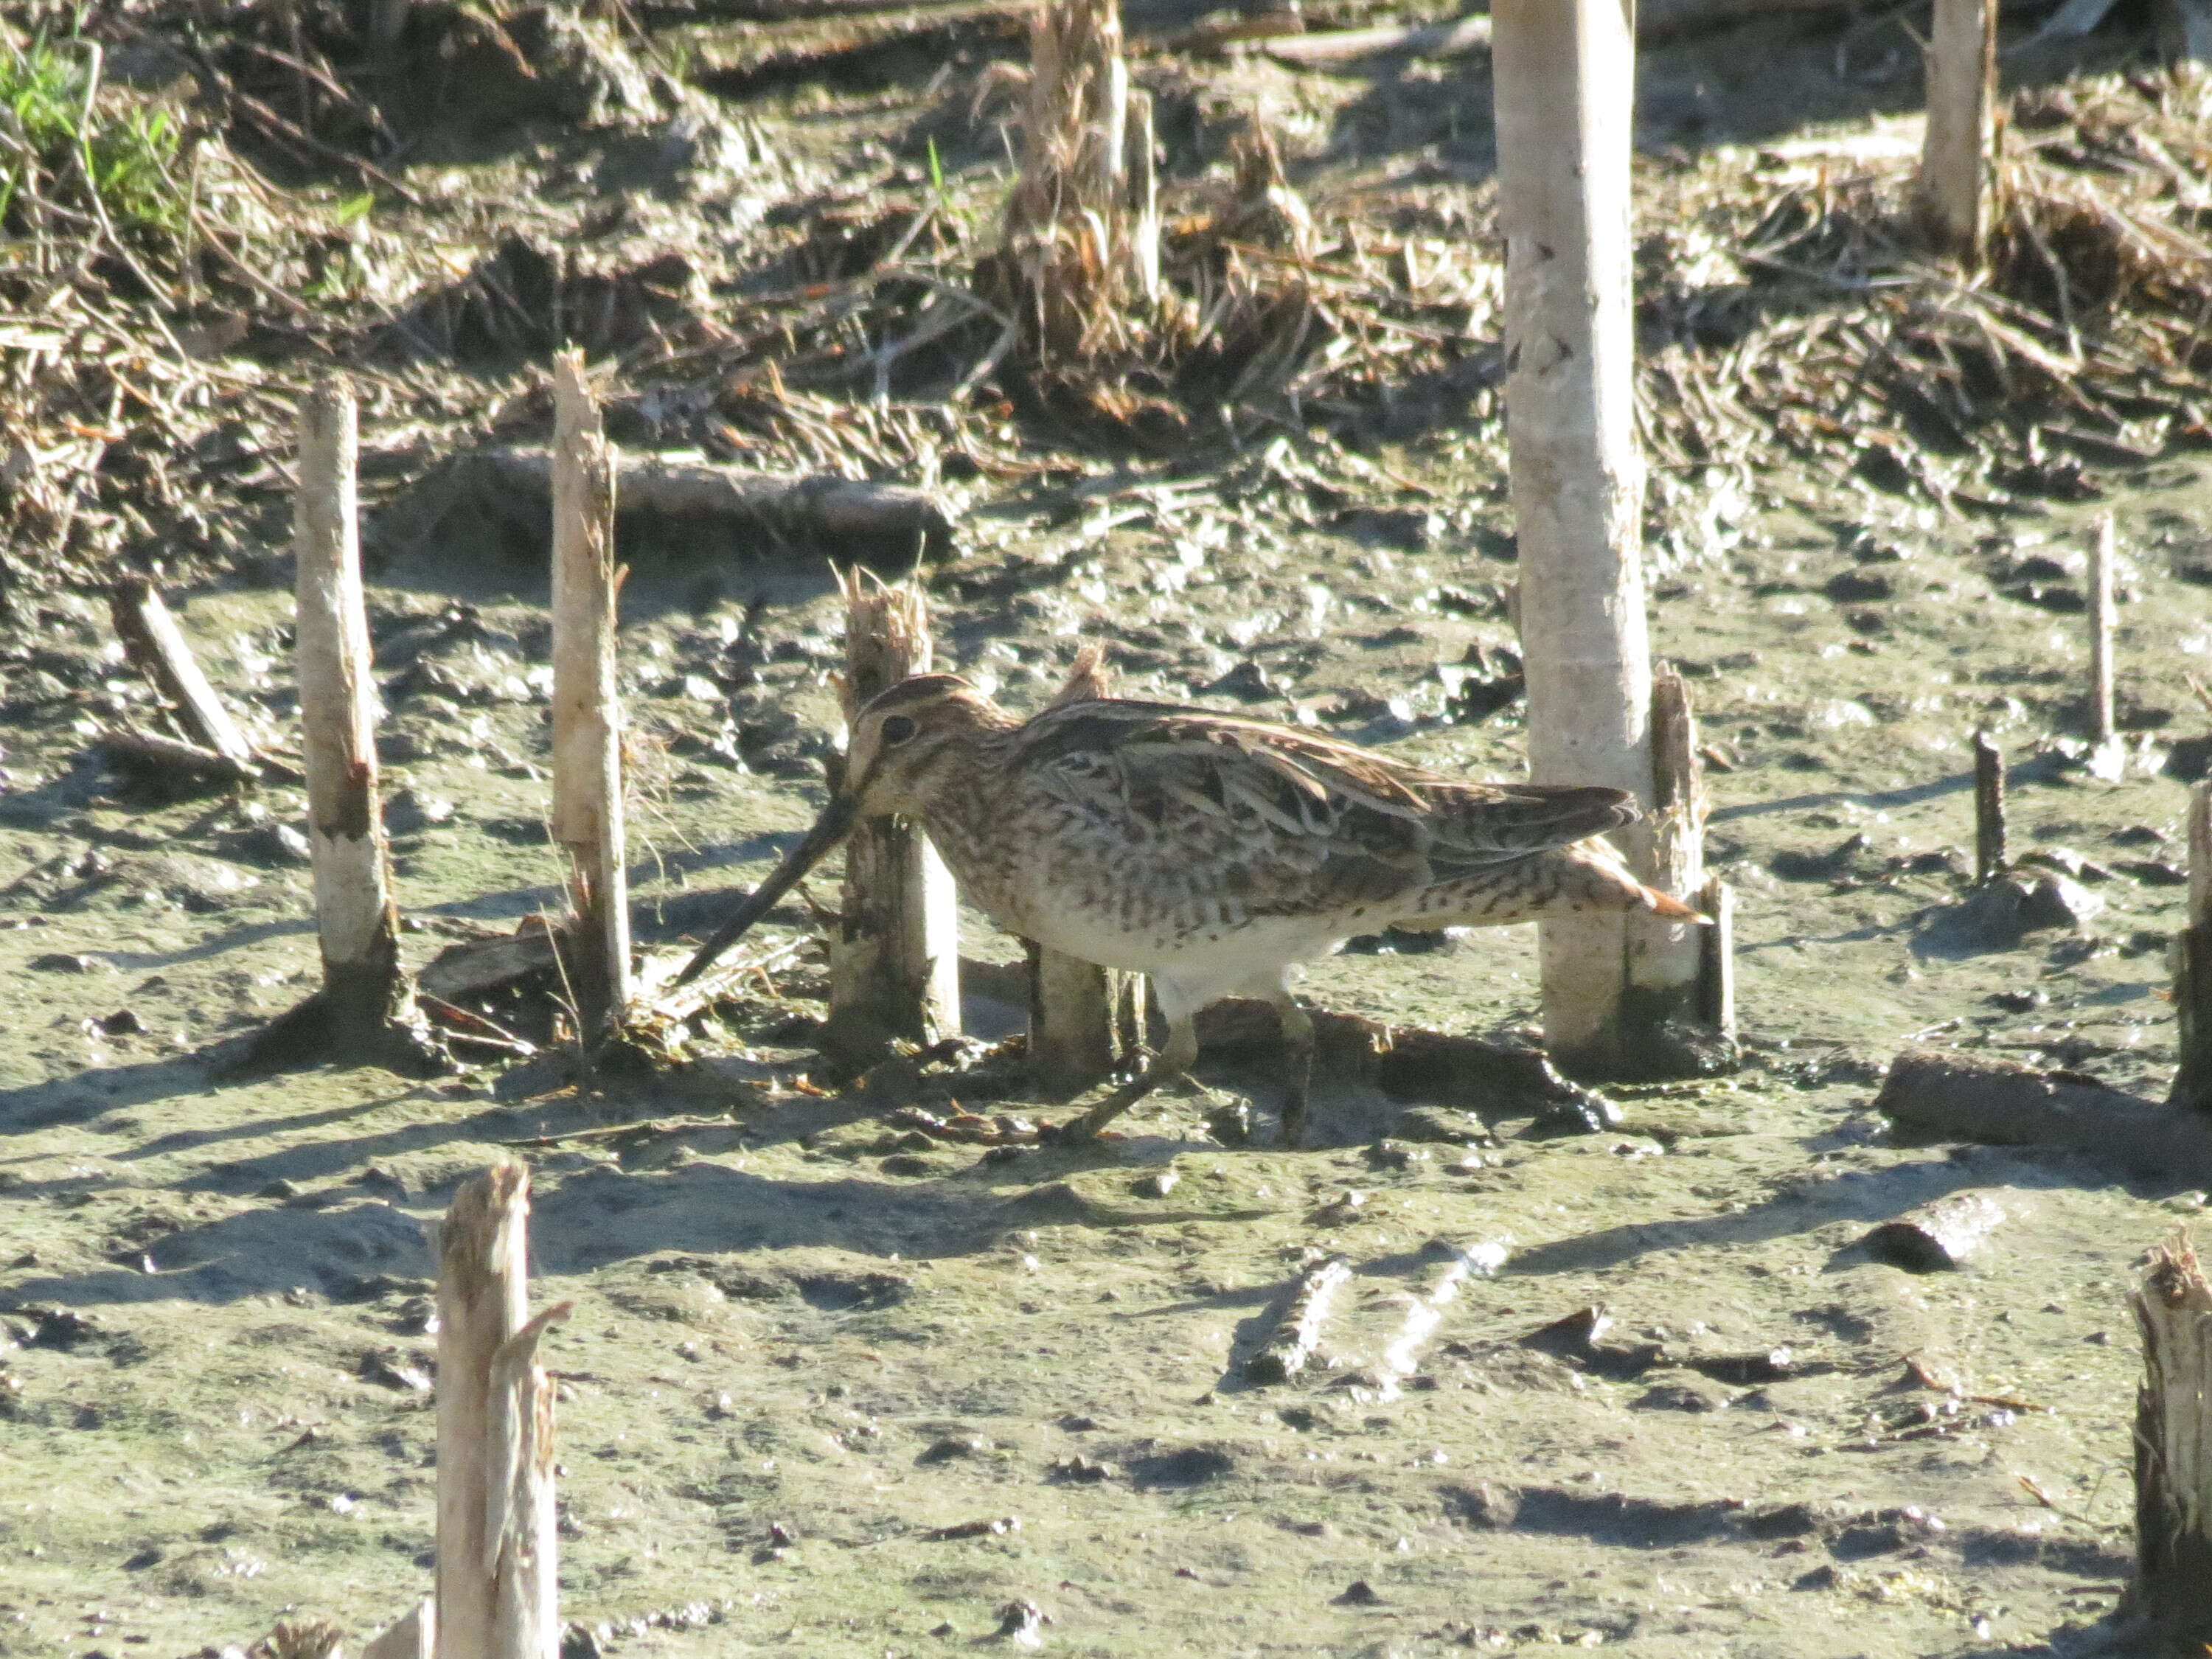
(1665, 962)
(2192, 965)
(2101, 553)
(895, 960)
(2174, 1452)
(1955, 158)
(354, 913)
(1565, 73)
(1716, 1004)
(587, 776)
(497, 1585)
(1988, 809)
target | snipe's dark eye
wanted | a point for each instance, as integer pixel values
(897, 730)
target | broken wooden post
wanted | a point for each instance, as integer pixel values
(1678, 971)
(2192, 965)
(895, 957)
(587, 776)
(1990, 859)
(156, 648)
(1565, 73)
(364, 995)
(2173, 1451)
(1955, 153)
(497, 1593)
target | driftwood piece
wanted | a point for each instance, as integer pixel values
(174, 756)
(2192, 966)
(497, 1589)
(854, 517)
(1938, 1236)
(1287, 1349)
(894, 956)
(2173, 1451)
(157, 648)
(1424, 1310)
(1932, 1098)
(1462, 34)
(587, 771)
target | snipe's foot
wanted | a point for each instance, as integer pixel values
(1171, 1062)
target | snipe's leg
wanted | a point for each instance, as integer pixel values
(1299, 1051)
(1177, 1057)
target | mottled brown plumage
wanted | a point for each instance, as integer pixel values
(1208, 850)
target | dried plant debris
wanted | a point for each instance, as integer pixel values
(1795, 303)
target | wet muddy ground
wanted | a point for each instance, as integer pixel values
(834, 1386)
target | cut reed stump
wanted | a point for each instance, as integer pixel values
(1956, 156)
(1679, 974)
(895, 955)
(2192, 967)
(1085, 1021)
(365, 1009)
(587, 775)
(2173, 1451)
(1078, 272)
(1565, 73)
(497, 1589)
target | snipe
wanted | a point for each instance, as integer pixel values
(1209, 851)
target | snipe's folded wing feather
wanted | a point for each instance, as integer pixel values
(1306, 821)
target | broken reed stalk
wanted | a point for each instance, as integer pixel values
(1674, 968)
(1082, 230)
(2192, 966)
(2173, 1450)
(1716, 1004)
(1085, 1021)
(2102, 552)
(1955, 157)
(157, 649)
(497, 1590)
(895, 957)
(363, 994)
(1988, 809)
(587, 775)
(1565, 75)
(1286, 1353)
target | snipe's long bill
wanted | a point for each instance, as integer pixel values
(1209, 851)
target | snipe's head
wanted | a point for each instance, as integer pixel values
(905, 748)
(909, 744)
